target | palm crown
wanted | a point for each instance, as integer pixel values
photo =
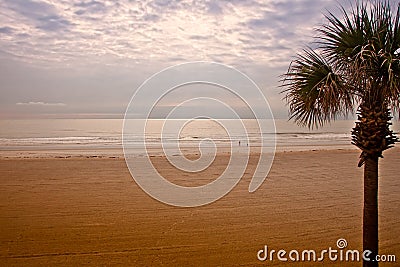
(357, 61)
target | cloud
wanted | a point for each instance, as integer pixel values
(6, 30)
(214, 7)
(40, 104)
(53, 23)
(90, 7)
(156, 31)
(40, 14)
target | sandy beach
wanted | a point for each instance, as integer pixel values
(86, 210)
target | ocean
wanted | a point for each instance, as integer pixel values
(48, 134)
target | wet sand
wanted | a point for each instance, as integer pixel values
(87, 211)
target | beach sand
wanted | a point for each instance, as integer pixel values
(88, 211)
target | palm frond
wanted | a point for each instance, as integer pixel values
(315, 93)
(342, 40)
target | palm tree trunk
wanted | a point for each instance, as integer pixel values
(372, 135)
(370, 216)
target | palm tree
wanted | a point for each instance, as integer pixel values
(355, 63)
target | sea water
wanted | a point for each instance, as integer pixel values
(107, 133)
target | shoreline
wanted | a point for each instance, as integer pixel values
(117, 152)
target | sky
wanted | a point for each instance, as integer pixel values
(78, 58)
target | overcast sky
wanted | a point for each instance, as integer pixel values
(88, 57)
